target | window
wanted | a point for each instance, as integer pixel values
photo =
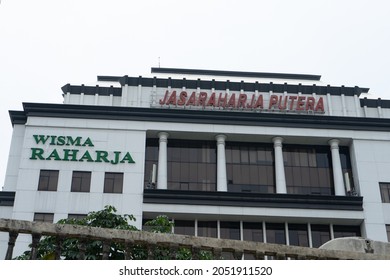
(346, 231)
(385, 192)
(298, 235)
(192, 165)
(184, 227)
(250, 167)
(308, 170)
(207, 229)
(253, 231)
(48, 180)
(81, 181)
(113, 182)
(275, 233)
(230, 230)
(320, 234)
(44, 217)
(388, 232)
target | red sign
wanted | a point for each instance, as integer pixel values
(243, 100)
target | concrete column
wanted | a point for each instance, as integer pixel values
(162, 177)
(336, 165)
(279, 166)
(125, 93)
(67, 98)
(221, 163)
(82, 98)
(287, 233)
(331, 232)
(357, 105)
(343, 105)
(309, 235)
(329, 98)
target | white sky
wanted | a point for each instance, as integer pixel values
(47, 44)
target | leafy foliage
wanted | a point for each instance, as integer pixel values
(108, 218)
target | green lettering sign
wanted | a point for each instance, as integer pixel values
(75, 154)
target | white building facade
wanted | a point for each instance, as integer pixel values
(279, 158)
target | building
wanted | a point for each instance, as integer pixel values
(279, 158)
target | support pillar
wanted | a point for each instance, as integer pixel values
(339, 188)
(221, 163)
(162, 177)
(279, 166)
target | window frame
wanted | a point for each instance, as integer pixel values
(383, 189)
(80, 187)
(45, 180)
(116, 180)
(388, 232)
(46, 217)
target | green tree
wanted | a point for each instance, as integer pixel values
(108, 218)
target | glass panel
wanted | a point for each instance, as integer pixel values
(230, 230)
(320, 234)
(385, 192)
(270, 176)
(184, 172)
(388, 232)
(253, 175)
(237, 174)
(184, 227)
(113, 182)
(248, 171)
(48, 180)
(253, 232)
(275, 233)
(245, 174)
(305, 176)
(312, 158)
(346, 231)
(244, 155)
(252, 155)
(228, 154)
(211, 174)
(81, 181)
(235, 155)
(261, 158)
(193, 155)
(44, 217)
(207, 229)
(193, 172)
(186, 164)
(311, 169)
(298, 235)
(269, 156)
(303, 158)
(175, 172)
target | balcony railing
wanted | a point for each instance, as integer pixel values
(170, 242)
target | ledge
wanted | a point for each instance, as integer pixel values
(223, 117)
(350, 203)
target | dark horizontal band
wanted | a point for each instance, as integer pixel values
(236, 74)
(351, 203)
(223, 117)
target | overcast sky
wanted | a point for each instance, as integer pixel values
(47, 44)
